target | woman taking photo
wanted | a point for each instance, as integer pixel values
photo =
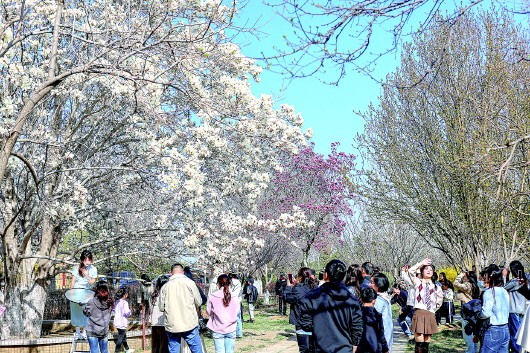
(223, 308)
(496, 308)
(428, 299)
(294, 292)
(467, 289)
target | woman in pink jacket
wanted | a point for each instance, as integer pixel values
(222, 309)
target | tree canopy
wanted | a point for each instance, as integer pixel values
(126, 125)
(329, 39)
(440, 134)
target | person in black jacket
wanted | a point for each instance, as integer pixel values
(332, 314)
(293, 293)
(281, 283)
(400, 297)
(373, 339)
(251, 295)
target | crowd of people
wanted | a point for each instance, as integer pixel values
(350, 310)
(347, 309)
(174, 310)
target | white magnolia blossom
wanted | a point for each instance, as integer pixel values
(144, 136)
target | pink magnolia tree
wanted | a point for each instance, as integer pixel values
(311, 196)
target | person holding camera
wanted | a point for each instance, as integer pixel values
(468, 289)
(223, 307)
(518, 292)
(251, 295)
(400, 297)
(496, 308)
(295, 290)
(179, 299)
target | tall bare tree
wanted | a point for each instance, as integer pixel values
(460, 89)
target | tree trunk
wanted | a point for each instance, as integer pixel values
(305, 253)
(23, 316)
(26, 275)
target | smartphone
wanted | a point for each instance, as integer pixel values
(320, 276)
(290, 275)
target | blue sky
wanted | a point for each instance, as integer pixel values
(328, 110)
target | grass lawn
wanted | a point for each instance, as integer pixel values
(270, 328)
(447, 340)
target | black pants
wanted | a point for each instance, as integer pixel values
(282, 305)
(121, 340)
(407, 311)
(447, 311)
(306, 343)
(159, 342)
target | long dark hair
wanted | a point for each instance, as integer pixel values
(223, 281)
(354, 277)
(160, 281)
(517, 269)
(305, 273)
(121, 293)
(103, 293)
(493, 275)
(475, 290)
(86, 254)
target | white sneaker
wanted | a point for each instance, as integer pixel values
(129, 350)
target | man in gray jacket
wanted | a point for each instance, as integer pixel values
(179, 299)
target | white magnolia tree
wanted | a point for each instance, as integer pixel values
(128, 125)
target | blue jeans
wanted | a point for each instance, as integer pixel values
(496, 340)
(404, 320)
(98, 344)
(224, 342)
(514, 322)
(192, 338)
(239, 324)
(471, 347)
